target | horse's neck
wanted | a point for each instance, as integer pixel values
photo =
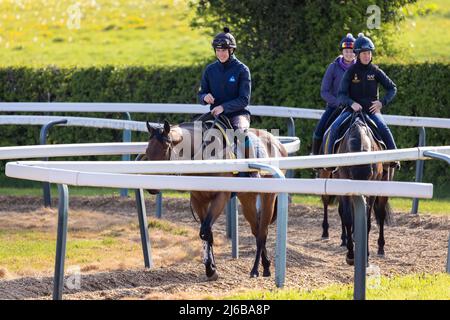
(192, 137)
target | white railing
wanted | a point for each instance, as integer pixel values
(36, 172)
(75, 122)
(113, 174)
(272, 111)
(43, 171)
(198, 166)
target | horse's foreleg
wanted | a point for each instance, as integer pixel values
(370, 203)
(268, 210)
(208, 257)
(381, 212)
(265, 261)
(255, 273)
(343, 233)
(324, 174)
(325, 226)
(260, 241)
(381, 240)
(348, 222)
(215, 209)
(251, 214)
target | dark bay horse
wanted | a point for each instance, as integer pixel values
(359, 138)
(164, 144)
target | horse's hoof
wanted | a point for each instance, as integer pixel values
(325, 238)
(350, 261)
(213, 277)
(380, 253)
(254, 274)
(266, 273)
(343, 244)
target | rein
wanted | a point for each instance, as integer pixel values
(204, 142)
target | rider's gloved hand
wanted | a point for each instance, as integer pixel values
(356, 106)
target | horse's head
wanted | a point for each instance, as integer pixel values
(159, 144)
(358, 139)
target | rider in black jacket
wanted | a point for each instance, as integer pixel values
(359, 90)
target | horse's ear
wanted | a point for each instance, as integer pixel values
(166, 127)
(149, 127)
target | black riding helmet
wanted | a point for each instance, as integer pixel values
(224, 40)
(363, 43)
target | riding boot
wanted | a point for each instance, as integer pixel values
(251, 152)
(316, 143)
(315, 150)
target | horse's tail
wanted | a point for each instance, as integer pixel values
(275, 211)
(382, 209)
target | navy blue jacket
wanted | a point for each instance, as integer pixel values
(360, 84)
(230, 85)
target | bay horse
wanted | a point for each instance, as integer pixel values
(359, 138)
(162, 145)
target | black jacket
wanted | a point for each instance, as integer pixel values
(360, 84)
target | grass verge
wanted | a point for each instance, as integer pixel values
(410, 287)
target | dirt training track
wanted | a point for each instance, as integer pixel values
(413, 245)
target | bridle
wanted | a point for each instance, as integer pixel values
(163, 140)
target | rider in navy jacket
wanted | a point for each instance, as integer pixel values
(226, 83)
(226, 87)
(230, 84)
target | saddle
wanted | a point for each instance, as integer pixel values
(222, 123)
(345, 126)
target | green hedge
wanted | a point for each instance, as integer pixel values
(285, 81)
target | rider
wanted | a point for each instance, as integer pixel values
(330, 86)
(226, 87)
(226, 83)
(359, 90)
